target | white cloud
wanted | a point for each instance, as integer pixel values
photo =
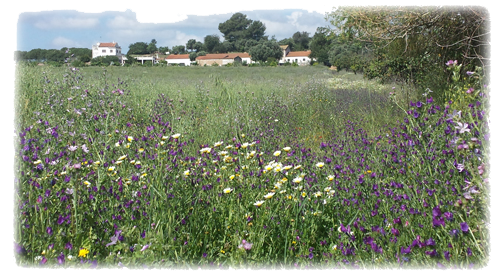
(61, 42)
(57, 22)
(293, 18)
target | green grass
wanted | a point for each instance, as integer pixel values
(155, 175)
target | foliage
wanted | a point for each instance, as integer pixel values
(138, 48)
(320, 45)
(410, 43)
(210, 42)
(266, 49)
(108, 60)
(152, 46)
(239, 27)
(193, 56)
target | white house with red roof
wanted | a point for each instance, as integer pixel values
(105, 49)
(178, 59)
(300, 57)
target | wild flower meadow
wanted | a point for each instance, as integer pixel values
(245, 168)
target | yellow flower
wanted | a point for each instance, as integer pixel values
(287, 149)
(130, 138)
(111, 168)
(330, 177)
(176, 136)
(228, 190)
(186, 173)
(320, 164)
(87, 183)
(141, 150)
(277, 153)
(83, 253)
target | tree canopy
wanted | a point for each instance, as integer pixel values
(410, 44)
(240, 27)
(265, 50)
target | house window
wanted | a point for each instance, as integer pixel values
(288, 59)
(303, 59)
(103, 51)
(111, 51)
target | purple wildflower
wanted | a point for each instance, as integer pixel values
(464, 227)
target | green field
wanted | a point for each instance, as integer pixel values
(282, 167)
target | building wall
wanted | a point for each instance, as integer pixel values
(186, 61)
(209, 62)
(301, 60)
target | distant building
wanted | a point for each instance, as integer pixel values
(301, 57)
(105, 49)
(223, 58)
(286, 50)
(179, 59)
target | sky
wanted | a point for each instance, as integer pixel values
(55, 29)
(56, 24)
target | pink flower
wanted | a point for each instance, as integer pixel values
(245, 245)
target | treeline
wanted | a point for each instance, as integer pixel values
(75, 56)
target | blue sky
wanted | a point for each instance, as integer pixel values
(55, 29)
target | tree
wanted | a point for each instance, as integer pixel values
(198, 46)
(180, 49)
(240, 27)
(190, 44)
(266, 49)
(320, 45)
(152, 47)
(163, 49)
(138, 48)
(411, 44)
(193, 56)
(301, 41)
(211, 42)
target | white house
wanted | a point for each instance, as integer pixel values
(301, 57)
(105, 49)
(179, 59)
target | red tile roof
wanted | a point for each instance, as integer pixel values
(107, 45)
(301, 53)
(177, 56)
